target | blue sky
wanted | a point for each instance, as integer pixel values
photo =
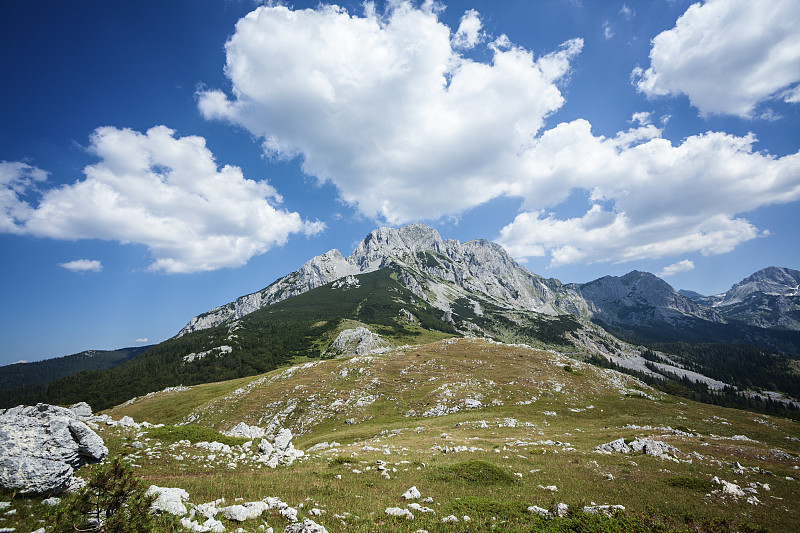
(162, 158)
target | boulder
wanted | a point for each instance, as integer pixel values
(306, 526)
(399, 512)
(41, 446)
(607, 510)
(209, 526)
(245, 511)
(411, 494)
(654, 448)
(168, 500)
(243, 430)
(535, 509)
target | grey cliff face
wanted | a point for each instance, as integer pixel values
(41, 446)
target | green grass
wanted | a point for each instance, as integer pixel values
(473, 471)
(691, 483)
(193, 434)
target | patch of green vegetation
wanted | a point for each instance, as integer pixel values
(474, 471)
(691, 483)
(192, 434)
(501, 510)
(341, 460)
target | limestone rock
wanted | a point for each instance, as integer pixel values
(243, 430)
(306, 526)
(41, 446)
(209, 526)
(245, 511)
(280, 451)
(356, 341)
(399, 512)
(81, 409)
(654, 448)
(168, 500)
(607, 510)
(411, 494)
(535, 509)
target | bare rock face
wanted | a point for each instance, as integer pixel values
(41, 446)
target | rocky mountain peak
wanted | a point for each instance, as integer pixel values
(383, 244)
(770, 280)
(640, 297)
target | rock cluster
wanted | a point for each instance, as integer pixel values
(654, 448)
(41, 446)
(280, 450)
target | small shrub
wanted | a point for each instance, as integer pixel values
(568, 368)
(340, 460)
(113, 501)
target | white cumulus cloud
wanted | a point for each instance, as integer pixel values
(728, 56)
(387, 109)
(142, 340)
(684, 265)
(83, 265)
(162, 191)
(469, 30)
(647, 197)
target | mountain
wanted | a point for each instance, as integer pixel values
(42, 372)
(767, 299)
(409, 286)
(641, 299)
(436, 270)
(708, 301)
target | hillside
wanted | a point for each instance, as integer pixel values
(483, 430)
(23, 379)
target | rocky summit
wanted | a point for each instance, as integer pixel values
(439, 271)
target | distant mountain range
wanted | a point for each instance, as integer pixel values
(408, 285)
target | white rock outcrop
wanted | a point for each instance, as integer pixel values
(654, 448)
(246, 431)
(356, 341)
(42, 445)
(411, 494)
(168, 500)
(245, 511)
(399, 512)
(280, 451)
(607, 510)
